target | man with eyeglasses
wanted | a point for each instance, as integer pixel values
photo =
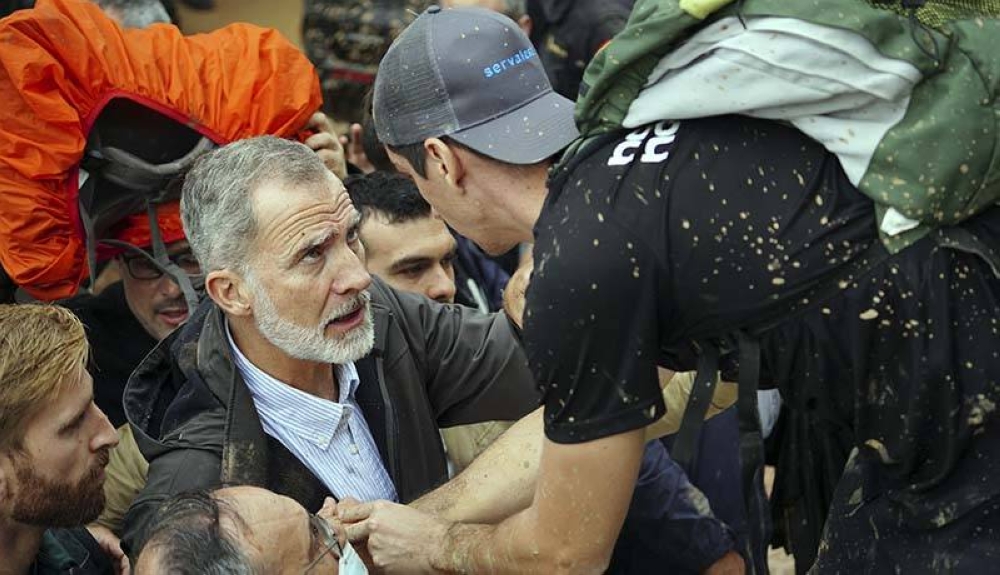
(128, 318)
(239, 530)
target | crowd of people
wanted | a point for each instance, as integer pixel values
(496, 286)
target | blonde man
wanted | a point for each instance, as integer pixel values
(54, 444)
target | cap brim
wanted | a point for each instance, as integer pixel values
(527, 135)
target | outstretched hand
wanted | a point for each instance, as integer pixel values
(399, 539)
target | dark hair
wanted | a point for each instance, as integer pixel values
(392, 195)
(416, 154)
(369, 138)
(187, 533)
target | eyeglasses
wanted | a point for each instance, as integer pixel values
(143, 268)
(323, 532)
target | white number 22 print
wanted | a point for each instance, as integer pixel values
(656, 150)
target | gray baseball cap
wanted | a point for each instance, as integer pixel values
(470, 74)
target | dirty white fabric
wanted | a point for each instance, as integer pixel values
(832, 84)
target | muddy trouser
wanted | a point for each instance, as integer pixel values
(920, 495)
(946, 529)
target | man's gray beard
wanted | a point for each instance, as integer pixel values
(313, 344)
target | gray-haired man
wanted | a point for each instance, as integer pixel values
(303, 374)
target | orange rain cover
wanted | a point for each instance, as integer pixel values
(62, 61)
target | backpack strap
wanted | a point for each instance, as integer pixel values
(151, 183)
(685, 450)
(131, 172)
(686, 444)
(87, 220)
(752, 452)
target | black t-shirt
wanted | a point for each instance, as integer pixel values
(675, 231)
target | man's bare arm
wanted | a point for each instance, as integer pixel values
(571, 526)
(498, 483)
(501, 481)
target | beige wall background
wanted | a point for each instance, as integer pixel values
(285, 15)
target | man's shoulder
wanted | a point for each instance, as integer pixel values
(719, 155)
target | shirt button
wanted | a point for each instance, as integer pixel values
(354, 449)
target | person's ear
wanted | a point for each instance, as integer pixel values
(442, 159)
(229, 291)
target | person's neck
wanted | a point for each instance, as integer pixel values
(309, 376)
(532, 190)
(18, 546)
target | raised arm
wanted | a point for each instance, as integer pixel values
(501, 481)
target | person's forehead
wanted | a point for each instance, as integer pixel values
(258, 506)
(279, 193)
(271, 528)
(425, 237)
(279, 205)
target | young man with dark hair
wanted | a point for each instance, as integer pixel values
(652, 243)
(405, 244)
(411, 248)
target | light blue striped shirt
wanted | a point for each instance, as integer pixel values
(331, 439)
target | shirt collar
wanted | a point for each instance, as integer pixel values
(313, 418)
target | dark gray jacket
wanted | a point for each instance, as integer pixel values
(432, 366)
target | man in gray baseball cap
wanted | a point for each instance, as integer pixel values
(467, 74)
(465, 108)
(463, 105)
(670, 244)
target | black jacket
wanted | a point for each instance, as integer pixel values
(432, 366)
(118, 343)
(70, 552)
